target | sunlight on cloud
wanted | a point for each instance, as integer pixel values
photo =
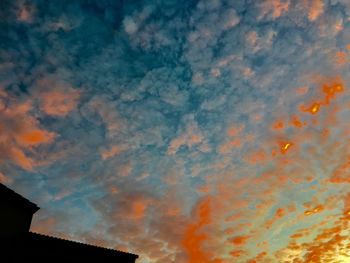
(184, 131)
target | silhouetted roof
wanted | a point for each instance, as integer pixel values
(29, 246)
(34, 245)
(40, 239)
(12, 197)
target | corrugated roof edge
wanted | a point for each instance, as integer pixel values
(80, 243)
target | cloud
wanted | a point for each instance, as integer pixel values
(107, 111)
(25, 12)
(129, 25)
(5, 179)
(194, 237)
(113, 112)
(58, 103)
(34, 137)
(274, 8)
(50, 224)
(113, 151)
(21, 132)
(190, 137)
(134, 215)
(326, 245)
(315, 7)
(56, 98)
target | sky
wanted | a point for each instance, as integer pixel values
(207, 131)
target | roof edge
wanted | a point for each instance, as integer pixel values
(84, 244)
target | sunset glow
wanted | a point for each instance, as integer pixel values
(207, 131)
(285, 146)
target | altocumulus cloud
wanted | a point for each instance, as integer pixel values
(183, 131)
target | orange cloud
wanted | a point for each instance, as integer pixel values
(297, 235)
(21, 159)
(341, 58)
(20, 133)
(139, 209)
(346, 202)
(5, 179)
(285, 146)
(229, 146)
(315, 210)
(341, 173)
(235, 139)
(326, 246)
(329, 93)
(238, 253)
(315, 8)
(313, 109)
(274, 7)
(296, 122)
(234, 130)
(191, 137)
(56, 98)
(25, 12)
(329, 244)
(113, 151)
(59, 103)
(259, 258)
(239, 240)
(280, 212)
(129, 208)
(195, 236)
(255, 157)
(35, 137)
(278, 125)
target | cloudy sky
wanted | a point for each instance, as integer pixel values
(185, 131)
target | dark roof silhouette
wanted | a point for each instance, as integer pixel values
(16, 199)
(18, 244)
